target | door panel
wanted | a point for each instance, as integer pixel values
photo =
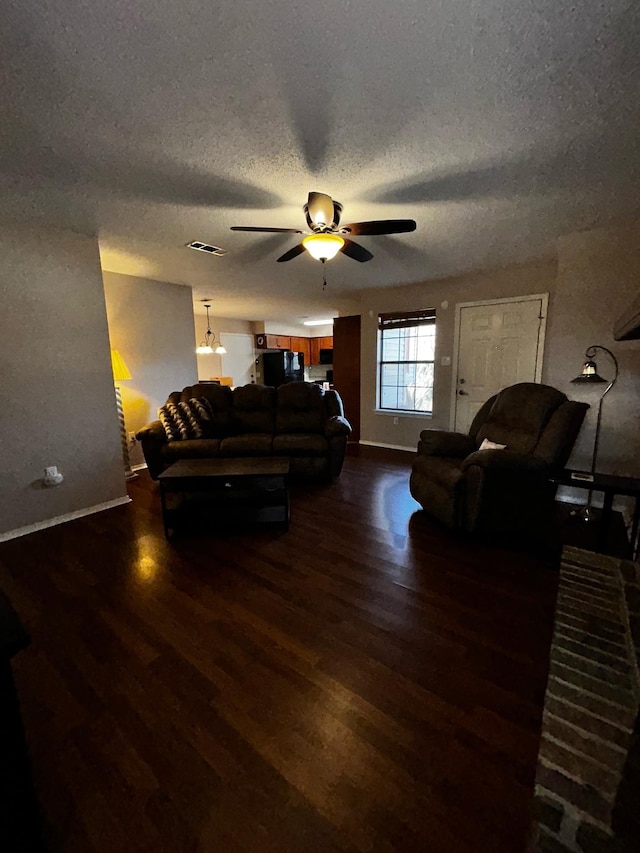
(239, 360)
(498, 346)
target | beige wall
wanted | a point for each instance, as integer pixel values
(595, 278)
(59, 403)
(537, 277)
(598, 278)
(151, 325)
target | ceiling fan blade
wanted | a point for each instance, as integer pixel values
(320, 209)
(381, 226)
(291, 254)
(355, 251)
(270, 230)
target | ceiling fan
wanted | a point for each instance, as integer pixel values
(327, 237)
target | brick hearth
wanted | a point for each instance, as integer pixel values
(591, 703)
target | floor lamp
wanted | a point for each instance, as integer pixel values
(121, 373)
(590, 375)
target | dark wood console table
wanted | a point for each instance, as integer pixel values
(610, 486)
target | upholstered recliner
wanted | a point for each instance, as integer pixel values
(495, 490)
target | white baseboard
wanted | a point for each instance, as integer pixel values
(388, 446)
(60, 519)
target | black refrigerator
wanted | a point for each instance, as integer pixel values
(281, 367)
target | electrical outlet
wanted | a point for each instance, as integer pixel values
(132, 438)
(395, 421)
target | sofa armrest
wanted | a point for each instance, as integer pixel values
(440, 442)
(152, 437)
(337, 425)
(506, 460)
(506, 492)
(154, 431)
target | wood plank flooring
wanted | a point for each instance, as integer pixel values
(363, 682)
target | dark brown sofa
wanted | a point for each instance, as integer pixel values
(497, 491)
(298, 420)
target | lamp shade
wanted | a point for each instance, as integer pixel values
(323, 247)
(120, 370)
(589, 373)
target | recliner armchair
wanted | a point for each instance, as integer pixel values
(495, 491)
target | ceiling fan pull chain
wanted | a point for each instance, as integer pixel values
(324, 274)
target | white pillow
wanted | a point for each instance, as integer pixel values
(491, 445)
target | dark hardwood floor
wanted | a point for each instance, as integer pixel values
(363, 682)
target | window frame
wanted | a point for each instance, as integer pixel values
(402, 320)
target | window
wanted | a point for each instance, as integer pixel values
(405, 370)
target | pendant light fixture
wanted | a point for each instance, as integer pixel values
(209, 345)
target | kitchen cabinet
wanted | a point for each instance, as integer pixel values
(310, 347)
(302, 345)
(278, 342)
(316, 345)
(265, 341)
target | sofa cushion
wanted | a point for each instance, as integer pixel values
(519, 414)
(487, 444)
(169, 418)
(300, 444)
(249, 444)
(300, 408)
(254, 408)
(220, 403)
(198, 448)
(181, 421)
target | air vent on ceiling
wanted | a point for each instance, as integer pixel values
(205, 247)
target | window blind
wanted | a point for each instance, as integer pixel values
(404, 319)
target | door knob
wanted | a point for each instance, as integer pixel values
(463, 393)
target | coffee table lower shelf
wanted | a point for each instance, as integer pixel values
(221, 494)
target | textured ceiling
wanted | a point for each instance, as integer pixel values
(496, 124)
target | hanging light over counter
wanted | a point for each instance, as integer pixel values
(209, 345)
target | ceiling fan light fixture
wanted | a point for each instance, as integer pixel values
(323, 247)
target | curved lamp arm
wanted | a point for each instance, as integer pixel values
(590, 353)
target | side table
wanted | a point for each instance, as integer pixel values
(610, 485)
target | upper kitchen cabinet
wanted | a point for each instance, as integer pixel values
(302, 345)
(265, 341)
(316, 345)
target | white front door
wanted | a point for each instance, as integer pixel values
(500, 342)
(239, 360)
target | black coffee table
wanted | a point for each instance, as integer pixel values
(222, 492)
